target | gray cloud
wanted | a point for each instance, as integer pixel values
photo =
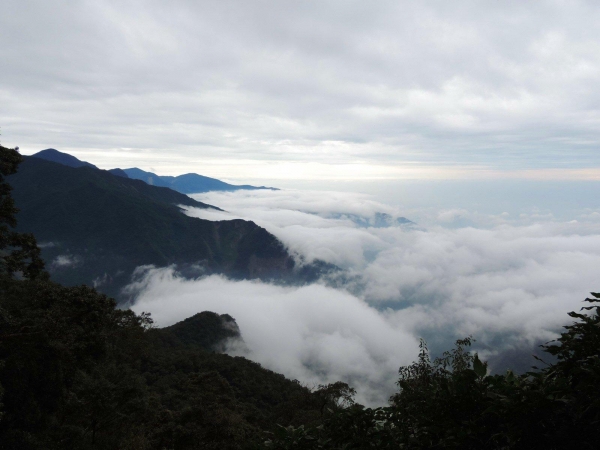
(507, 85)
(509, 282)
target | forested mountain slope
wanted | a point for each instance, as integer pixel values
(78, 373)
(96, 228)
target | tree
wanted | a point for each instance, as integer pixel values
(452, 402)
(334, 396)
(19, 253)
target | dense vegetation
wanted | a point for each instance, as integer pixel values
(452, 402)
(78, 373)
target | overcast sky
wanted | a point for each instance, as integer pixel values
(307, 89)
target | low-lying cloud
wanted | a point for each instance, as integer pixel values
(313, 333)
(509, 283)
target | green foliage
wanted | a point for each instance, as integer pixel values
(207, 330)
(452, 402)
(19, 253)
(79, 373)
(335, 396)
(55, 340)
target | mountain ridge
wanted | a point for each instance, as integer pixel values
(207, 330)
(189, 183)
(51, 154)
(96, 228)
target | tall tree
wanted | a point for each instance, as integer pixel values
(19, 253)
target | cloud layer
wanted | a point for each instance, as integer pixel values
(314, 334)
(508, 282)
(280, 89)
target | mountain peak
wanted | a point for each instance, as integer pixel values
(51, 154)
(188, 183)
(208, 330)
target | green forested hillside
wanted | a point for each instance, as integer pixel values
(78, 373)
(207, 330)
(96, 228)
(452, 402)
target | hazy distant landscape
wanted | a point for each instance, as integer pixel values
(316, 225)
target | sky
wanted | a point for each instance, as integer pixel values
(312, 90)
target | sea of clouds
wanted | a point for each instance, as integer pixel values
(506, 280)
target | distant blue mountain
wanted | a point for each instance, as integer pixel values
(65, 159)
(146, 177)
(189, 183)
(378, 220)
(118, 173)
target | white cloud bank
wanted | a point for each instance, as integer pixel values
(509, 284)
(314, 333)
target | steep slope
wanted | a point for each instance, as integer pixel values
(72, 362)
(96, 228)
(188, 183)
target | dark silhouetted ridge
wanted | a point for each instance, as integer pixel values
(207, 330)
(65, 159)
(96, 228)
(118, 173)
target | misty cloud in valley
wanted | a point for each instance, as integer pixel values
(508, 281)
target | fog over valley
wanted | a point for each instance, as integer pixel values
(508, 282)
